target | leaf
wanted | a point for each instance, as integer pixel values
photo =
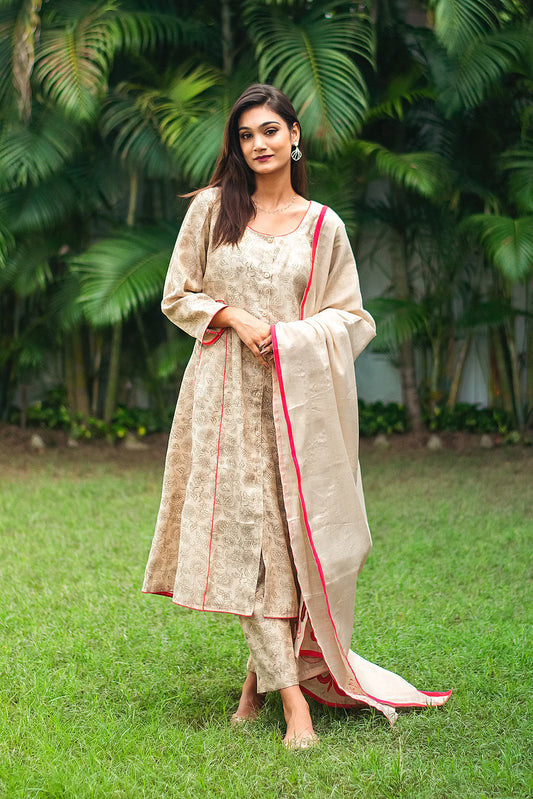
(27, 265)
(488, 313)
(519, 163)
(397, 321)
(507, 242)
(148, 122)
(123, 273)
(457, 22)
(79, 42)
(198, 146)
(424, 172)
(74, 57)
(312, 61)
(480, 66)
(171, 354)
(29, 154)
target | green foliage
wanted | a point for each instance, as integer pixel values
(312, 59)
(52, 413)
(508, 243)
(123, 273)
(397, 321)
(458, 22)
(470, 418)
(384, 418)
(425, 173)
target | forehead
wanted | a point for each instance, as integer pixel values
(258, 116)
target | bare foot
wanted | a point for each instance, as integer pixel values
(300, 733)
(250, 702)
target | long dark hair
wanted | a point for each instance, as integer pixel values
(234, 176)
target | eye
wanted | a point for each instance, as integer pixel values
(271, 131)
(245, 136)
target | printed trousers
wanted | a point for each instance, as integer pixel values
(270, 642)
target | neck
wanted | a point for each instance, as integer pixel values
(273, 190)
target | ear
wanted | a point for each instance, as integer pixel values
(295, 133)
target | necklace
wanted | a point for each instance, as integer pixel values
(276, 210)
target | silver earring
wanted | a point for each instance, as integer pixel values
(296, 154)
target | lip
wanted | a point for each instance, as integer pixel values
(262, 158)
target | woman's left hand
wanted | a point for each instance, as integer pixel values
(266, 348)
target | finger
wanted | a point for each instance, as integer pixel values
(259, 354)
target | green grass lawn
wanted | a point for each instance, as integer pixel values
(105, 692)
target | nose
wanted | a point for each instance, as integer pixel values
(259, 144)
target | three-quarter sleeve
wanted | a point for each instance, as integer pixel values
(184, 301)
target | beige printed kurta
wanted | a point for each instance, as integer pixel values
(222, 502)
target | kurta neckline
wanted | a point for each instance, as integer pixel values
(282, 235)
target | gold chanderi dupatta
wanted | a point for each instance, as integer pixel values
(315, 413)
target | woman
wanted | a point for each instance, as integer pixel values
(262, 512)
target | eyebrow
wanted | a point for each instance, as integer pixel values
(262, 125)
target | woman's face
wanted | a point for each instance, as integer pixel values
(266, 140)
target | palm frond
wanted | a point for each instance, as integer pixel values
(141, 31)
(485, 314)
(74, 58)
(329, 184)
(186, 99)
(480, 66)
(519, 163)
(148, 122)
(312, 61)
(64, 306)
(458, 22)
(71, 194)
(29, 154)
(27, 265)
(199, 144)
(123, 273)
(131, 123)
(171, 354)
(507, 242)
(425, 173)
(397, 321)
(80, 40)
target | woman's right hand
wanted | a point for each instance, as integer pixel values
(253, 332)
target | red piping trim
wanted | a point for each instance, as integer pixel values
(216, 336)
(323, 701)
(158, 593)
(310, 653)
(316, 234)
(217, 333)
(216, 470)
(212, 610)
(361, 700)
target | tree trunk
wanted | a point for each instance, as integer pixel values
(406, 358)
(77, 397)
(96, 357)
(458, 371)
(113, 374)
(514, 367)
(227, 37)
(24, 35)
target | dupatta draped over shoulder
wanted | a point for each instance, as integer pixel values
(316, 418)
(222, 466)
